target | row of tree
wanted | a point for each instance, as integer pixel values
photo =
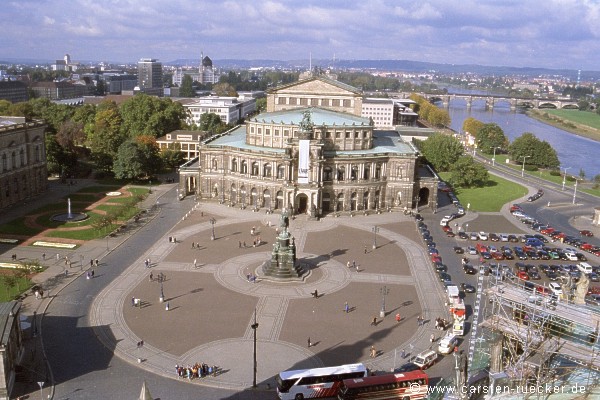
(490, 139)
(120, 139)
(435, 116)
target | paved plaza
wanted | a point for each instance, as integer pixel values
(212, 304)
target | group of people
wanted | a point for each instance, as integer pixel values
(196, 371)
(352, 265)
(441, 324)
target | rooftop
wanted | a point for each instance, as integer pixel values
(319, 117)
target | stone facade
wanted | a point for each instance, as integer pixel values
(11, 347)
(351, 167)
(23, 171)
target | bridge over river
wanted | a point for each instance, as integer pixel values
(491, 100)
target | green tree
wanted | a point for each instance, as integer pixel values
(59, 160)
(5, 107)
(225, 89)
(149, 115)
(129, 161)
(23, 109)
(187, 87)
(172, 157)
(491, 136)
(261, 104)
(210, 122)
(537, 152)
(442, 151)
(472, 126)
(439, 118)
(583, 105)
(150, 154)
(466, 173)
(107, 135)
(581, 173)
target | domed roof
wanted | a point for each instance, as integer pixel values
(207, 62)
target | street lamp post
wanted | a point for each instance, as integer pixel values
(565, 177)
(575, 191)
(494, 157)
(254, 327)
(523, 169)
(212, 222)
(384, 291)
(107, 249)
(375, 229)
(81, 262)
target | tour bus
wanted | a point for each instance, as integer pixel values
(407, 385)
(316, 383)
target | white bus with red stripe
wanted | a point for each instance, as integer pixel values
(316, 383)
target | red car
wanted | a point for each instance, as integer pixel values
(523, 275)
(542, 290)
(547, 231)
(515, 207)
(446, 228)
(436, 258)
(496, 255)
(586, 246)
(585, 232)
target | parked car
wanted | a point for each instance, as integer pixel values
(585, 232)
(463, 235)
(483, 236)
(458, 250)
(494, 237)
(467, 288)
(469, 269)
(472, 250)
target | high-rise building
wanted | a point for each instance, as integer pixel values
(150, 76)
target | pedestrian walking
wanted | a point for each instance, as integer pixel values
(403, 354)
(365, 249)
(309, 342)
(432, 338)
(96, 262)
(346, 308)
(373, 352)
(93, 273)
(244, 244)
(44, 256)
(374, 321)
(195, 262)
(133, 302)
(151, 278)
(91, 262)
(193, 245)
(398, 317)
(356, 266)
(37, 294)
(66, 272)
(239, 244)
(167, 306)
(57, 256)
(348, 264)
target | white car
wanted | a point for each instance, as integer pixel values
(472, 250)
(571, 256)
(503, 237)
(483, 236)
(555, 288)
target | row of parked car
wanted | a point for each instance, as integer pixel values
(536, 196)
(556, 235)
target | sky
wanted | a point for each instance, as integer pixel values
(563, 34)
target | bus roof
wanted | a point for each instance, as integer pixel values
(387, 378)
(339, 369)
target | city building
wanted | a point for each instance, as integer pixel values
(116, 83)
(205, 74)
(13, 91)
(63, 89)
(65, 64)
(150, 79)
(311, 152)
(188, 142)
(388, 113)
(229, 109)
(11, 346)
(23, 171)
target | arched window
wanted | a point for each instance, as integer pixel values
(378, 171)
(340, 202)
(234, 165)
(13, 161)
(367, 172)
(354, 173)
(214, 164)
(4, 163)
(254, 169)
(244, 169)
(366, 201)
(22, 157)
(327, 174)
(267, 170)
(281, 172)
(341, 172)
(37, 153)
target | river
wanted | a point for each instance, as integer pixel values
(574, 152)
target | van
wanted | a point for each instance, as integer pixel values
(447, 344)
(556, 289)
(585, 268)
(425, 359)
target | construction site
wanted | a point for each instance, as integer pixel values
(531, 343)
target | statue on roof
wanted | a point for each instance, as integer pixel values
(306, 125)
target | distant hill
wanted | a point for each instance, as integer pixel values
(397, 65)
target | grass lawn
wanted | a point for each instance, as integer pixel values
(579, 117)
(101, 189)
(18, 227)
(491, 197)
(12, 284)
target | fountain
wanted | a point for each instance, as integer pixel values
(282, 266)
(70, 216)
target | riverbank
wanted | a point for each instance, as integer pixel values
(565, 124)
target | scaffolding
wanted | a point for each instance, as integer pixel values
(525, 338)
